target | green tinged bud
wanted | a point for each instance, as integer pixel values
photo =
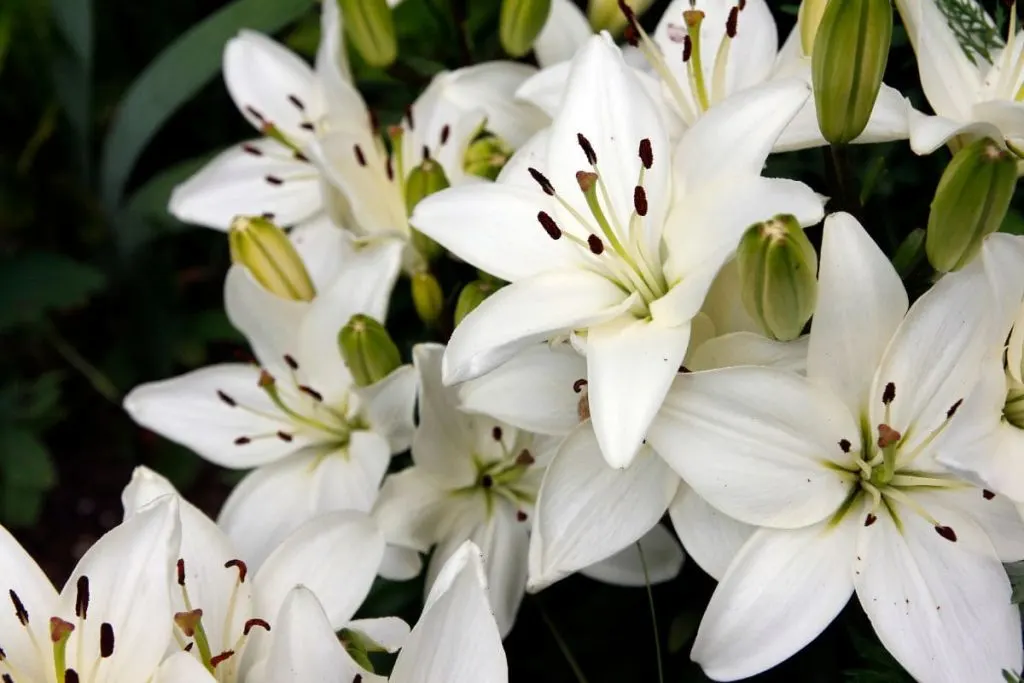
(427, 297)
(486, 156)
(368, 350)
(851, 48)
(521, 23)
(971, 201)
(359, 646)
(423, 181)
(605, 15)
(1013, 409)
(808, 19)
(370, 28)
(265, 250)
(471, 296)
(778, 283)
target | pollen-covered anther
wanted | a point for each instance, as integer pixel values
(19, 609)
(242, 567)
(360, 157)
(587, 148)
(446, 132)
(541, 179)
(253, 150)
(640, 200)
(496, 433)
(312, 393)
(987, 495)
(845, 445)
(217, 660)
(730, 23)
(179, 568)
(521, 516)
(549, 225)
(578, 385)
(291, 362)
(946, 532)
(188, 622)
(297, 103)
(226, 399)
(870, 519)
(425, 152)
(646, 153)
(487, 481)
(106, 640)
(60, 630)
(242, 441)
(953, 408)
(70, 676)
(285, 436)
(253, 623)
(273, 180)
(82, 597)
(687, 49)
(887, 436)
(596, 245)
(889, 393)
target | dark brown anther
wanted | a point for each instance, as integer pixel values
(743, 5)
(306, 125)
(887, 436)
(242, 441)
(227, 399)
(389, 168)
(374, 121)
(687, 48)
(627, 11)
(253, 112)
(730, 23)
(496, 433)
(3, 655)
(487, 481)
(253, 623)
(273, 180)
(106, 640)
(299, 156)
(19, 608)
(521, 516)
(987, 495)
(631, 35)
(82, 597)
(446, 132)
(870, 519)
(297, 103)
(889, 393)
(596, 245)
(310, 391)
(290, 360)
(646, 153)
(269, 215)
(845, 445)
(544, 183)
(953, 408)
(409, 118)
(242, 567)
(358, 678)
(549, 225)
(60, 629)
(188, 621)
(525, 458)
(188, 648)
(640, 200)
(70, 676)
(216, 660)
(586, 180)
(425, 152)
(578, 385)
(360, 157)
(946, 532)
(285, 436)
(587, 148)
(179, 567)
(252, 149)
(6, 678)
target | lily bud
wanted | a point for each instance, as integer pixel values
(521, 23)
(270, 257)
(368, 350)
(851, 48)
(424, 180)
(486, 156)
(370, 28)
(778, 283)
(808, 19)
(427, 297)
(1013, 408)
(471, 296)
(971, 201)
(606, 15)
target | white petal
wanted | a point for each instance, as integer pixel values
(260, 75)
(495, 228)
(23, 577)
(268, 321)
(711, 538)
(325, 249)
(182, 668)
(1002, 258)
(586, 511)
(755, 442)
(1007, 116)
(949, 79)
(456, 639)
(389, 405)
(236, 183)
(533, 391)
(525, 312)
(888, 121)
(335, 555)
(630, 369)
(928, 133)
(388, 632)
(546, 88)
(724, 302)
(444, 437)
(861, 302)
(129, 582)
(505, 542)
(761, 613)
(941, 608)
(411, 506)
(996, 515)
(748, 348)
(188, 410)
(661, 554)
(564, 32)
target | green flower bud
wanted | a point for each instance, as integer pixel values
(471, 296)
(521, 23)
(777, 267)
(1013, 408)
(808, 19)
(851, 47)
(368, 350)
(486, 156)
(370, 28)
(605, 15)
(427, 297)
(270, 256)
(359, 646)
(423, 181)
(971, 201)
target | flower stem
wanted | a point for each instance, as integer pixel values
(654, 616)
(841, 179)
(560, 642)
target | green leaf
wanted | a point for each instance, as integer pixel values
(39, 400)
(1013, 223)
(174, 77)
(72, 71)
(20, 507)
(25, 462)
(35, 283)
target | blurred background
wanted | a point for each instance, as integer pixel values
(104, 106)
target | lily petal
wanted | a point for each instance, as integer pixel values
(325, 249)
(445, 436)
(928, 133)
(388, 632)
(23, 577)
(748, 348)
(411, 508)
(949, 79)
(389, 406)
(269, 322)
(565, 31)
(182, 668)
(711, 538)
(661, 561)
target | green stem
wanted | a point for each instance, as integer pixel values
(99, 381)
(842, 177)
(560, 642)
(654, 616)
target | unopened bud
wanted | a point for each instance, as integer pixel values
(521, 23)
(368, 350)
(1013, 408)
(427, 297)
(971, 201)
(851, 48)
(808, 19)
(424, 180)
(606, 15)
(265, 250)
(471, 296)
(778, 283)
(486, 156)
(358, 645)
(370, 28)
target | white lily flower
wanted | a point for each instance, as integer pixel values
(620, 237)
(318, 442)
(840, 470)
(972, 79)
(565, 31)
(111, 622)
(223, 607)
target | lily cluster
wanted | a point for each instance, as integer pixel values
(655, 357)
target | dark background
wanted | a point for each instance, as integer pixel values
(100, 289)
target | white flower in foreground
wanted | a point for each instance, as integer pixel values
(840, 470)
(318, 442)
(972, 79)
(620, 237)
(111, 622)
(221, 603)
